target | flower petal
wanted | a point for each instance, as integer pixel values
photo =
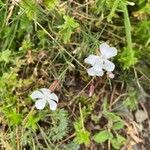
(46, 91)
(99, 73)
(53, 96)
(52, 104)
(40, 104)
(91, 59)
(37, 95)
(103, 48)
(108, 65)
(113, 51)
(107, 51)
(98, 65)
(91, 71)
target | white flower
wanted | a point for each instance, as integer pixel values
(101, 62)
(43, 96)
(96, 63)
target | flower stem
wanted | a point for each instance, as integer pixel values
(128, 30)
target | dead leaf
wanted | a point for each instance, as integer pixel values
(29, 57)
(55, 85)
(133, 133)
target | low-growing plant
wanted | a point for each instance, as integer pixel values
(47, 43)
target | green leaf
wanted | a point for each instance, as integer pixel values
(60, 125)
(13, 117)
(82, 135)
(105, 105)
(128, 55)
(115, 5)
(71, 146)
(99, 6)
(118, 142)
(112, 116)
(5, 55)
(131, 101)
(1, 3)
(102, 136)
(32, 121)
(31, 8)
(50, 4)
(118, 125)
(128, 58)
(68, 28)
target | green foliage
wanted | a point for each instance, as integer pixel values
(118, 142)
(118, 125)
(142, 31)
(128, 55)
(126, 59)
(27, 138)
(13, 117)
(112, 12)
(26, 45)
(82, 135)
(108, 7)
(68, 28)
(131, 101)
(112, 116)
(102, 136)
(32, 121)
(8, 81)
(99, 6)
(60, 125)
(50, 4)
(29, 25)
(71, 146)
(115, 123)
(31, 8)
(4, 56)
(1, 3)
(26, 26)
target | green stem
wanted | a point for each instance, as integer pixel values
(127, 30)
(81, 116)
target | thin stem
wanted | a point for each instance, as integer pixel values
(81, 117)
(128, 30)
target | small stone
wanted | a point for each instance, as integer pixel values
(141, 116)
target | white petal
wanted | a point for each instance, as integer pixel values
(40, 104)
(46, 92)
(98, 66)
(52, 104)
(37, 95)
(91, 71)
(108, 65)
(91, 59)
(99, 73)
(111, 52)
(107, 51)
(53, 96)
(103, 48)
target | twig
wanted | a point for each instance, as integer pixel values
(63, 141)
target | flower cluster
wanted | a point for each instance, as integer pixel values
(101, 62)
